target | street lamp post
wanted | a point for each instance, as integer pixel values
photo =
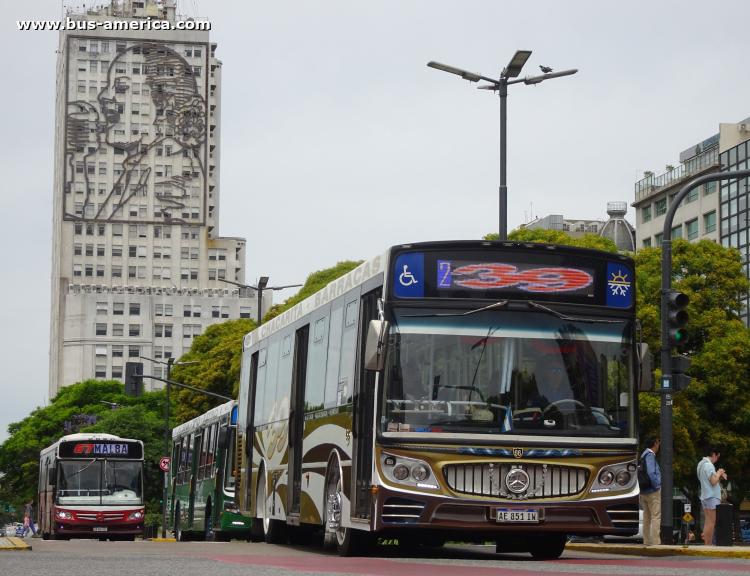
(169, 363)
(512, 70)
(262, 285)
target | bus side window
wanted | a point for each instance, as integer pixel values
(212, 452)
(286, 361)
(345, 390)
(183, 460)
(270, 396)
(334, 352)
(201, 455)
(174, 469)
(316, 360)
(260, 384)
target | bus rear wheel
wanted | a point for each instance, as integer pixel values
(548, 547)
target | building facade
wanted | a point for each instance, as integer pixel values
(574, 228)
(137, 262)
(733, 205)
(697, 217)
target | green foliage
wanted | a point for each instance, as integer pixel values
(315, 281)
(140, 418)
(218, 352)
(558, 237)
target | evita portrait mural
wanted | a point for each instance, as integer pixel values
(150, 117)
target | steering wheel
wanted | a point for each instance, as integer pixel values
(587, 418)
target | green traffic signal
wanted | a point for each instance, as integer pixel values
(677, 318)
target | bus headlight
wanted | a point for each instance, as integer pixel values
(410, 471)
(401, 472)
(606, 477)
(64, 514)
(622, 477)
(137, 515)
(420, 473)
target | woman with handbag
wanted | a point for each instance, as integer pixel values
(710, 479)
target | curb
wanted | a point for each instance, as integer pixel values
(161, 539)
(13, 543)
(658, 551)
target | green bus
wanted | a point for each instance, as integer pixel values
(202, 478)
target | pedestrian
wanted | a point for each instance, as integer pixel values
(651, 497)
(710, 479)
(30, 515)
(25, 525)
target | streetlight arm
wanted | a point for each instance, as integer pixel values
(470, 76)
(282, 287)
(238, 284)
(543, 77)
(189, 388)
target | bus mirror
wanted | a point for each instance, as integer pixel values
(375, 347)
(223, 438)
(646, 378)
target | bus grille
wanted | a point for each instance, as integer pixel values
(488, 479)
(107, 516)
(402, 510)
(624, 516)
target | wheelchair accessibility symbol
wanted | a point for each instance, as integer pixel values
(406, 277)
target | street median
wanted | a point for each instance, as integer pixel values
(13, 543)
(660, 551)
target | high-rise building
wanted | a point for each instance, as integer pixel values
(572, 227)
(697, 216)
(137, 260)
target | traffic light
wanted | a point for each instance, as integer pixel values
(677, 318)
(679, 380)
(133, 378)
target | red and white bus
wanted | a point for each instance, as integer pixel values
(91, 486)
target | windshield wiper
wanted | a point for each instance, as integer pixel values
(495, 305)
(572, 318)
(82, 469)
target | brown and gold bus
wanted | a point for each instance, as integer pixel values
(469, 391)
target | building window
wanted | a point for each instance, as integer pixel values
(212, 253)
(677, 232)
(158, 330)
(709, 222)
(116, 229)
(77, 268)
(167, 352)
(159, 310)
(89, 249)
(244, 312)
(134, 351)
(225, 311)
(187, 331)
(658, 239)
(116, 351)
(167, 330)
(89, 229)
(223, 251)
(132, 272)
(118, 308)
(184, 273)
(77, 249)
(116, 271)
(117, 251)
(134, 329)
(89, 270)
(100, 249)
(100, 270)
(101, 329)
(661, 207)
(647, 243)
(193, 273)
(101, 308)
(116, 371)
(78, 229)
(196, 311)
(692, 229)
(710, 188)
(167, 309)
(117, 329)
(212, 273)
(692, 196)
(100, 371)
(135, 309)
(215, 311)
(187, 311)
(157, 352)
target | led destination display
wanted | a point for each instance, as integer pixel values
(101, 449)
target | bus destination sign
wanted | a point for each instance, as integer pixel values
(511, 274)
(99, 449)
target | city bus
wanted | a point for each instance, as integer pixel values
(464, 391)
(202, 478)
(91, 486)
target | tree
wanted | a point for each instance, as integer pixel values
(74, 409)
(315, 281)
(218, 352)
(558, 237)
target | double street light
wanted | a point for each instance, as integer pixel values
(512, 70)
(262, 285)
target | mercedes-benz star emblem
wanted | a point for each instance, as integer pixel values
(517, 481)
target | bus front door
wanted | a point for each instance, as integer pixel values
(195, 454)
(296, 418)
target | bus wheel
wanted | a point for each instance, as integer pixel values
(274, 531)
(348, 542)
(548, 547)
(179, 535)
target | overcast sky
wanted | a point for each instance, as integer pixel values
(338, 141)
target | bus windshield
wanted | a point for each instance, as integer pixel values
(502, 372)
(99, 482)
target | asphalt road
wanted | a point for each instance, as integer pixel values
(91, 557)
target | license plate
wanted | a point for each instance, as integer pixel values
(517, 515)
(100, 528)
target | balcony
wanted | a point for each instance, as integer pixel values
(652, 184)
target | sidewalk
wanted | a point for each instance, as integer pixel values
(659, 551)
(14, 543)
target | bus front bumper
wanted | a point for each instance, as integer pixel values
(85, 529)
(401, 510)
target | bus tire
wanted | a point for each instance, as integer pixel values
(548, 547)
(349, 542)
